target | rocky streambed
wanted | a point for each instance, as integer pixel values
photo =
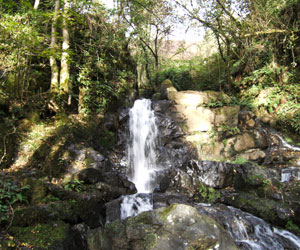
(215, 163)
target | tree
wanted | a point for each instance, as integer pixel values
(217, 15)
(36, 4)
(149, 23)
(65, 83)
(54, 86)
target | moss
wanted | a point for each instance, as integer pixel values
(115, 227)
(95, 239)
(150, 241)
(164, 214)
(45, 236)
(143, 218)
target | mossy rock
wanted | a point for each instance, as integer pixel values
(72, 211)
(275, 212)
(38, 190)
(52, 235)
(176, 227)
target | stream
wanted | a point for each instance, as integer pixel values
(249, 232)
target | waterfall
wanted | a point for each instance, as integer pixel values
(141, 151)
(141, 158)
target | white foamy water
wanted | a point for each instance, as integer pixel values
(134, 204)
(141, 158)
(141, 151)
(262, 236)
(285, 144)
(288, 173)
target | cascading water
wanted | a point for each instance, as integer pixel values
(141, 152)
(141, 158)
(248, 231)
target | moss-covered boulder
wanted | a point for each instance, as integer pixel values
(178, 226)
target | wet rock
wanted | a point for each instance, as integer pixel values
(213, 174)
(278, 213)
(249, 231)
(191, 176)
(250, 176)
(113, 210)
(165, 200)
(176, 227)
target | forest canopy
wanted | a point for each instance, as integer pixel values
(78, 56)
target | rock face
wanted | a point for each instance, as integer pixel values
(191, 105)
(188, 179)
(178, 226)
(218, 129)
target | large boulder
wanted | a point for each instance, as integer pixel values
(178, 226)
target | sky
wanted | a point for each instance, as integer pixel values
(179, 32)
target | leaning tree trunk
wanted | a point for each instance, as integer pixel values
(65, 86)
(36, 4)
(54, 87)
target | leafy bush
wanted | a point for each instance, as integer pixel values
(239, 160)
(196, 74)
(74, 185)
(10, 193)
(209, 194)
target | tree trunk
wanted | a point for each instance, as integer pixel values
(65, 86)
(54, 87)
(36, 4)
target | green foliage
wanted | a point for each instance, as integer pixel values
(224, 101)
(293, 227)
(208, 194)
(195, 74)
(74, 185)
(229, 130)
(239, 160)
(42, 236)
(10, 193)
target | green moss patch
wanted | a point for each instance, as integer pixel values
(45, 236)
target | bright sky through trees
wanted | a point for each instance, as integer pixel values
(180, 31)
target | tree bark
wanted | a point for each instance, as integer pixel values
(54, 87)
(36, 4)
(65, 86)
